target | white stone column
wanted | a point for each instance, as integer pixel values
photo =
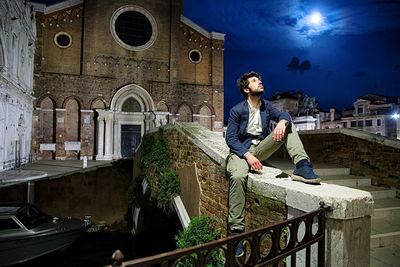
(117, 139)
(108, 138)
(100, 138)
(161, 118)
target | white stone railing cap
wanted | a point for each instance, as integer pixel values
(345, 202)
(212, 143)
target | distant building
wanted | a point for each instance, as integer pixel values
(107, 72)
(17, 39)
(327, 120)
(287, 102)
(299, 105)
(373, 113)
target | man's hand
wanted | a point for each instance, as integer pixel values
(280, 129)
(253, 162)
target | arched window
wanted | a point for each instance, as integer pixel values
(205, 117)
(47, 120)
(131, 105)
(161, 106)
(185, 114)
(72, 125)
(133, 28)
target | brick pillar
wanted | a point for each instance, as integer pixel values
(60, 133)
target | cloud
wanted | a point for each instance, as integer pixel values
(295, 65)
(272, 24)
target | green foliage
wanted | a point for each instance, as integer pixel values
(156, 169)
(200, 230)
(167, 188)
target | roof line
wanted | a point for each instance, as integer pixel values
(56, 7)
(212, 35)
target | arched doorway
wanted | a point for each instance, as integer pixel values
(120, 128)
(130, 133)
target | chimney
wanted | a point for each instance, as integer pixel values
(332, 111)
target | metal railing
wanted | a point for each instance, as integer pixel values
(266, 246)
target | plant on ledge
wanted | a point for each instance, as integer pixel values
(200, 230)
(156, 169)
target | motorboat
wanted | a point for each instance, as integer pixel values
(27, 233)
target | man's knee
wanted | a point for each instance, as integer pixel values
(238, 177)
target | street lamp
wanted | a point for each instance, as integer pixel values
(396, 116)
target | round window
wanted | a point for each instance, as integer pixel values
(63, 39)
(195, 56)
(133, 28)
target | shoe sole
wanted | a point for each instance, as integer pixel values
(307, 181)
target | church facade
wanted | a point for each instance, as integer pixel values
(106, 72)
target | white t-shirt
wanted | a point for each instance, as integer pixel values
(254, 126)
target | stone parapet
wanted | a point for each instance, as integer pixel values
(348, 223)
(346, 203)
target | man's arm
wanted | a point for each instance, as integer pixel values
(232, 134)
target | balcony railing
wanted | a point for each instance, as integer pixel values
(266, 246)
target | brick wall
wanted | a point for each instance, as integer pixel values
(215, 185)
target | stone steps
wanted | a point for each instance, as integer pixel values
(347, 180)
(384, 208)
(385, 221)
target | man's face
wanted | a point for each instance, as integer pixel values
(255, 87)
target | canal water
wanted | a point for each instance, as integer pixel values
(95, 248)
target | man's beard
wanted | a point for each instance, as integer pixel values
(258, 93)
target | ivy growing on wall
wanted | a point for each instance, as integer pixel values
(155, 164)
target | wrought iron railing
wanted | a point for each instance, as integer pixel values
(271, 245)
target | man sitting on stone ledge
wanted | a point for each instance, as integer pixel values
(251, 143)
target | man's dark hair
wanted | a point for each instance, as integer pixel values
(243, 81)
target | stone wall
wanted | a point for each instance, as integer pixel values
(102, 193)
(210, 174)
(187, 151)
(364, 153)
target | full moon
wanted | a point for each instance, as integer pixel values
(316, 18)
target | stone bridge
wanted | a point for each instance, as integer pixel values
(199, 156)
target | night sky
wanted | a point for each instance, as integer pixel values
(334, 50)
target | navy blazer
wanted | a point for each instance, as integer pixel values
(236, 137)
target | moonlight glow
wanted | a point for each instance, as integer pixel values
(316, 18)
